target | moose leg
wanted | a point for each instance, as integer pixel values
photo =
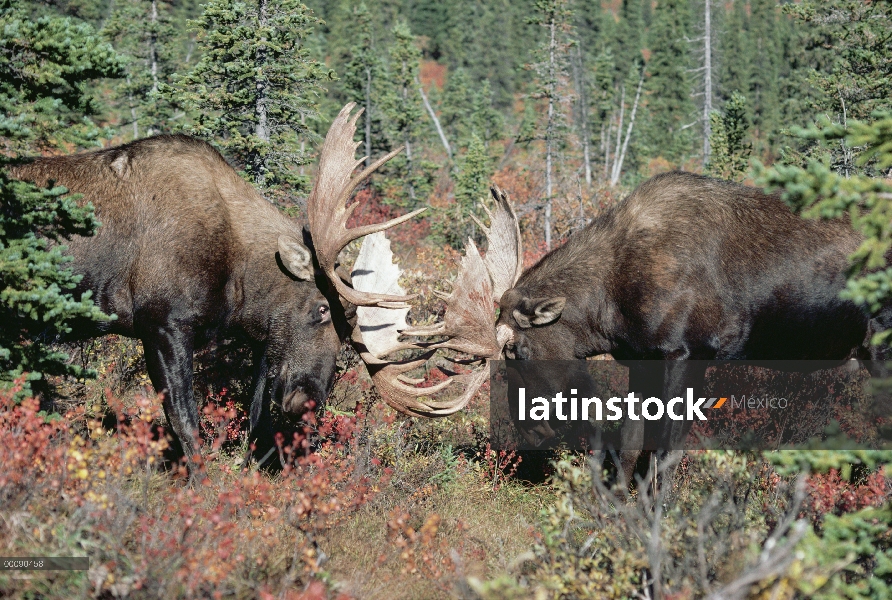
(668, 436)
(645, 380)
(168, 352)
(261, 435)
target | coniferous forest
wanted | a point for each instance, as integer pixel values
(567, 105)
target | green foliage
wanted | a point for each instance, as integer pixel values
(403, 112)
(852, 40)
(36, 302)
(730, 150)
(454, 224)
(850, 554)
(468, 109)
(668, 110)
(487, 39)
(819, 191)
(45, 63)
(255, 87)
(362, 66)
(145, 32)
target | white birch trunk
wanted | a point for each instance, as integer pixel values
(434, 118)
(582, 115)
(153, 46)
(618, 167)
(261, 129)
(619, 131)
(368, 116)
(707, 79)
(549, 134)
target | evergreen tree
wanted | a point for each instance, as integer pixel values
(143, 30)
(736, 70)
(851, 73)
(254, 87)
(403, 109)
(730, 150)
(853, 39)
(362, 73)
(472, 176)
(486, 38)
(45, 63)
(766, 56)
(669, 109)
(466, 110)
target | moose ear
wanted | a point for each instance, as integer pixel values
(540, 311)
(296, 258)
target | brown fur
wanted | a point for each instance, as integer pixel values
(186, 247)
(689, 267)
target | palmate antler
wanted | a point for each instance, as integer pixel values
(327, 209)
(467, 326)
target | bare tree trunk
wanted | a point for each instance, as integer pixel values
(607, 151)
(153, 46)
(368, 116)
(133, 113)
(618, 166)
(549, 132)
(260, 106)
(582, 114)
(619, 130)
(434, 118)
(153, 53)
(408, 141)
(707, 79)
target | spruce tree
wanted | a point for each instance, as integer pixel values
(255, 87)
(467, 109)
(363, 70)
(728, 140)
(669, 109)
(404, 112)
(46, 61)
(143, 30)
(472, 175)
(552, 55)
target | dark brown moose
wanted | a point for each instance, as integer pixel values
(187, 248)
(689, 269)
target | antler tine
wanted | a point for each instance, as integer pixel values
(378, 329)
(504, 252)
(327, 208)
(468, 322)
(407, 399)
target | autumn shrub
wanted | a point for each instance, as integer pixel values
(70, 487)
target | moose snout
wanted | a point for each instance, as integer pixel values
(296, 401)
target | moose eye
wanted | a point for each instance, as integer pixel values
(323, 313)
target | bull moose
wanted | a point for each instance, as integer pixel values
(688, 270)
(187, 248)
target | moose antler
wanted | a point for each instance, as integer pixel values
(327, 210)
(503, 254)
(467, 324)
